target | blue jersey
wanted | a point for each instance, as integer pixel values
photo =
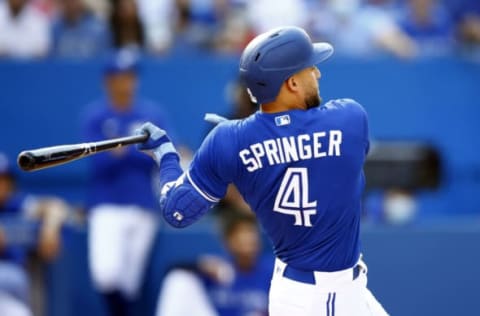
(12, 218)
(124, 179)
(247, 294)
(301, 171)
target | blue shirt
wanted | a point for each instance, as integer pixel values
(433, 38)
(124, 179)
(247, 294)
(302, 174)
(87, 37)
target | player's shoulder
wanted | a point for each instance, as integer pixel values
(348, 107)
(344, 103)
(225, 129)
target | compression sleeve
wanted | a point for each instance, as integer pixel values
(170, 169)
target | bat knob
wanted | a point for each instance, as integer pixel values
(26, 161)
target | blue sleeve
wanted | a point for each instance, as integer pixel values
(170, 169)
(213, 166)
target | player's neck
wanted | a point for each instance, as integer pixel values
(282, 106)
(285, 101)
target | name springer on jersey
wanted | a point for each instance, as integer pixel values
(293, 148)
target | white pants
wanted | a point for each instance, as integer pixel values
(333, 294)
(10, 306)
(119, 243)
(183, 294)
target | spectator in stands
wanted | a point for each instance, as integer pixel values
(77, 33)
(24, 30)
(101, 8)
(25, 222)
(126, 26)
(157, 19)
(47, 7)
(264, 15)
(367, 30)
(390, 206)
(121, 202)
(234, 32)
(196, 24)
(233, 286)
(429, 24)
(466, 14)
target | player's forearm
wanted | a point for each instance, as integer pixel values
(170, 169)
(180, 203)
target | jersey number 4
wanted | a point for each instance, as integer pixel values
(292, 197)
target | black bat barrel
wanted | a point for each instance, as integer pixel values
(41, 158)
(46, 157)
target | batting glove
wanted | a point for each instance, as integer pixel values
(158, 143)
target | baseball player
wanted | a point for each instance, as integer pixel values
(122, 225)
(298, 164)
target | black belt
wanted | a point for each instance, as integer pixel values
(309, 276)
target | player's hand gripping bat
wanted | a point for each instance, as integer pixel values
(46, 157)
(41, 158)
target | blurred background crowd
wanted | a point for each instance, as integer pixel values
(86, 238)
(360, 28)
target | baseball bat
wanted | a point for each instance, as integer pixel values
(41, 158)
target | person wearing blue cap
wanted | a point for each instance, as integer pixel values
(298, 164)
(121, 201)
(26, 223)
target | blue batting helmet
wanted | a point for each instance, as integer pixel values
(272, 57)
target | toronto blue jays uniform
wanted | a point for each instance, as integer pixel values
(295, 171)
(300, 171)
(120, 198)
